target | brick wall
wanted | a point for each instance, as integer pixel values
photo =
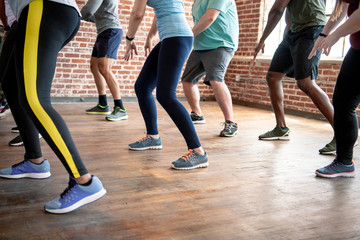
(247, 85)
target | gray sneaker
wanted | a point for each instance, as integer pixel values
(146, 143)
(117, 115)
(196, 119)
(277, 133)
(99, 110)
(191, 160)
(329, 149)
(230, 129)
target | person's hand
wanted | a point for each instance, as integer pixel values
(324, 45)
(130, 50)
(260, 46)
(148, 46)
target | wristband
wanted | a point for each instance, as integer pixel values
(322, 35)
(129, 39)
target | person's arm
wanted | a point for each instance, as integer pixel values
(136, 16)
(206, 20)
(90, 9)
(275, 14)
(151, 34)
(3, 18)
(330, 25)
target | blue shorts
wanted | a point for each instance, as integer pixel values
(107, 43)
(291, 56)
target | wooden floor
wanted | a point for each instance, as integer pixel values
(251, 190)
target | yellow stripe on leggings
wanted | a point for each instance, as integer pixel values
(30, 77)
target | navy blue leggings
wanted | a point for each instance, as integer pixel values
(162, 69)
(346, 99)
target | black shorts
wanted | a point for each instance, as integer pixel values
(291, 56)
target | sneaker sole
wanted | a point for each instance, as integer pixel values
(283, 138)
(15, 131)
(98, 113)
(16, 144)
(117, 119)
(28, 175)
(146, 148)
(328, 153)
(335, 175)
(228, 135)
(202, 165)
(82, 202)
(199, 122)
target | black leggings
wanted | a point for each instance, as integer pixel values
(44, 28)
(346, 99)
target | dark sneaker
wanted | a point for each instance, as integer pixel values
(15, 130)
(329, 149)
(196, 119)
(277, 133)
(17, 141)
(146, 143)
(76, 195)
(336, 169)
(230, 129)
(27, 169)
(117, 115)
(191, 160)
(99, 110)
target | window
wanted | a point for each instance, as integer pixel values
(338, 51)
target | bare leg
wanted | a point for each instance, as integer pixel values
(193, 97)
(319, 98)
(104, 66)
(99, 79)
(277, 96)
(223, 98)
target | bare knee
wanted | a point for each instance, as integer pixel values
(273, 77)
(305, 85)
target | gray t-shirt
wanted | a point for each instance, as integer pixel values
(18, 5)
(103, 12)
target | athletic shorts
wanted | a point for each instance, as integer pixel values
(212, 63)
(291, 56)
(107, 43)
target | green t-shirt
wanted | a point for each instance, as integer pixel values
(306, 13)
(224, 31)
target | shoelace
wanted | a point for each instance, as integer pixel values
(331, 165)
(227, 125)
(20, 163)
(187, 155)
(144, 138)
(72, 183)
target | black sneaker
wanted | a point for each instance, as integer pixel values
(230, 129)
(98, 109)
(15, 130)
(17, 141)
(196, 119)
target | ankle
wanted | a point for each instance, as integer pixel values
(199, 150)
(37, 161)
(84, 179)
(153, 136)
